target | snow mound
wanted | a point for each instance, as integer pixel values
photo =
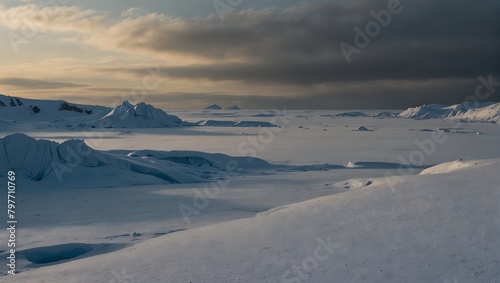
(265, 115)
(254, 124)
(484, 111)
(203, 160)
(39, 160)
(353, 164)
(352, 114)
(362, 129)
(213, 107)
(234, 107)
(377, 165)
(354, 184)
(141, 115)
(386, 114)
(218, 123)
(27, 156)
(457, 165)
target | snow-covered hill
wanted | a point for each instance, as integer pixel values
(483, 112)
(141, 115)
(234, 107)
(58, 113)
(35, 110)
(490, 113)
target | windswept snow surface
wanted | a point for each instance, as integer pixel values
(426, 228)
(223, 123)
(306, 214)
(457, 165)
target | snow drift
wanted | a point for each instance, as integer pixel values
(362, 129)
(352, 114)
(38, 160)
(219, 123)
(202, 159)
(456, 165)
(429, 228)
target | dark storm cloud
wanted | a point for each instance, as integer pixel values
(392, 94)
(440, 47)
(300, 45)
(37, 84)
(309, 73)
(430, 51)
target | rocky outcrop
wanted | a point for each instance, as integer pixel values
(68, 107)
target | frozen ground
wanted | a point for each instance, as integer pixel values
(325, 212)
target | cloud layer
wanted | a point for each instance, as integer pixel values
(297, 46)
(37, 84)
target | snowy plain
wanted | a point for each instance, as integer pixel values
(324, 210)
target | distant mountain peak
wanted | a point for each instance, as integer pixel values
(483, 111)
(213, 107)
(127, 104)
(127, 115)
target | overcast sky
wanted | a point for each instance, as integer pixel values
(259, 54)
